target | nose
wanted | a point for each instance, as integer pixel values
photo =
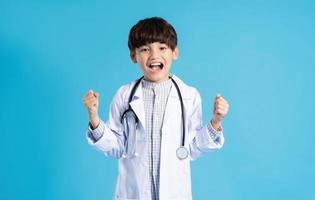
(154, 53)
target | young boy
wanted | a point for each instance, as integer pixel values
(155, 123)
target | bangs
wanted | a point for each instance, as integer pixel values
(152, 30)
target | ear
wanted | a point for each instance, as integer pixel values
(133, 56)
(175, 53)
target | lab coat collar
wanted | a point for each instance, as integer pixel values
(182, 87)
(137, 103)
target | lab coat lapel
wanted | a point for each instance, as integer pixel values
(171, 140)
(173, 102)
(138, 106)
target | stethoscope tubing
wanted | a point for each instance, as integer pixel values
(181, 104)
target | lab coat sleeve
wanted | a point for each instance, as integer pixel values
(108, 137)
(204, 138)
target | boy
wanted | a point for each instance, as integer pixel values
(155, 123)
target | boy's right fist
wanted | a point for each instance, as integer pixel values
(90, 100)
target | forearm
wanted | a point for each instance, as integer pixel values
(216, 125)
(94, 122)
(106, 139)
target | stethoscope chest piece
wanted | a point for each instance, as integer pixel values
(182, 153)
(129, 120)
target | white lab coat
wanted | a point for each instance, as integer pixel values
(133, 173)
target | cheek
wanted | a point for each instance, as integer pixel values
(141, 60)
(169, 60)
(143, 64)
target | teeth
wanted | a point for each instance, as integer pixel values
(155, 64)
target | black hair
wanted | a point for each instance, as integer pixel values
(150, 30)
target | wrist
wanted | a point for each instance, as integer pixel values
(94, 122)
(216, 124)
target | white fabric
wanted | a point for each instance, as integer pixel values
(175, 180)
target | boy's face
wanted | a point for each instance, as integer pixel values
(155, 60)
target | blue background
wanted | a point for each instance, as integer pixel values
(258, 54)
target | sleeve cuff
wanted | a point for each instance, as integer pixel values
(214, 134)
(97, 133)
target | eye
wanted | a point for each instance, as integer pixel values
(144, 49)
(162, 48)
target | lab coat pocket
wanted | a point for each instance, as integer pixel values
(141, 141)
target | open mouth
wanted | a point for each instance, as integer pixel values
(156, 65)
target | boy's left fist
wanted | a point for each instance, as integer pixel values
(220, 109)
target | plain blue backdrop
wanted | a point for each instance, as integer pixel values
(258, 54)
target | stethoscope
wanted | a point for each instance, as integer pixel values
(130, 120)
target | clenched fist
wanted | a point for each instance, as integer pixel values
(220, 109)
(90, 100)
